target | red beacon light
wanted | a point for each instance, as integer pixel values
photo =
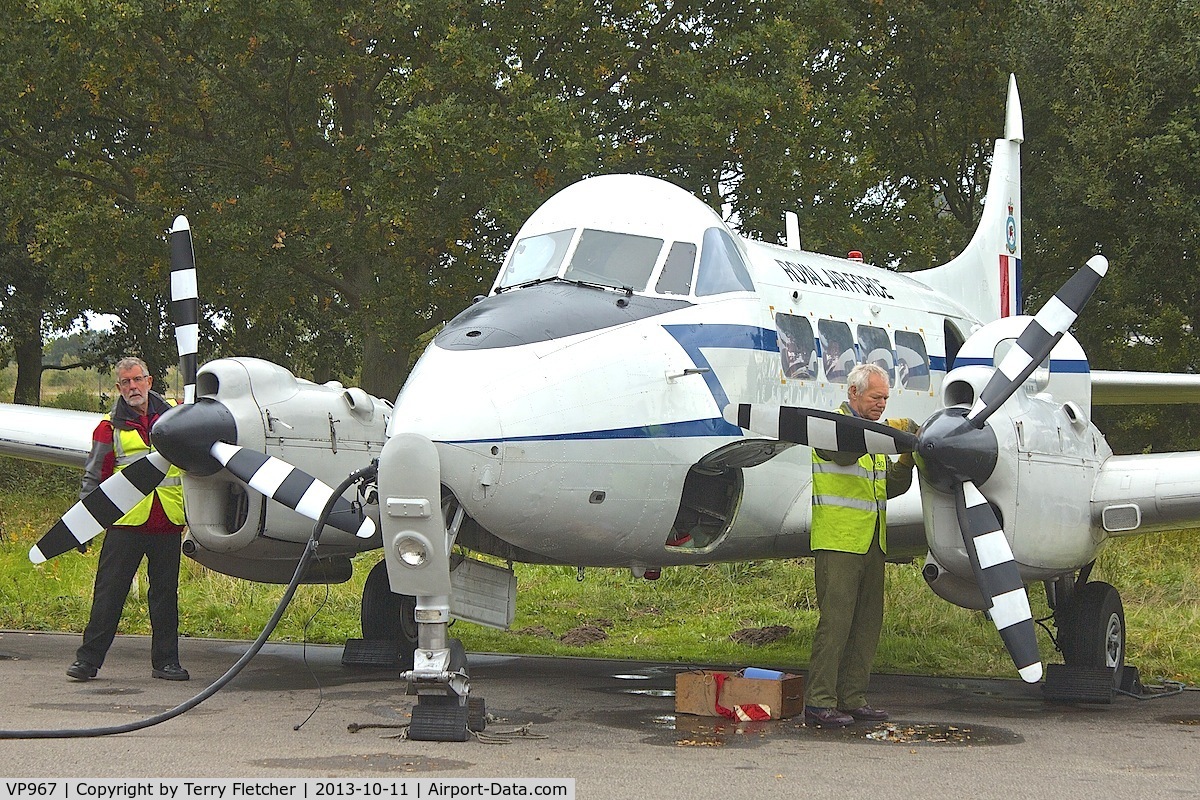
(855, 255)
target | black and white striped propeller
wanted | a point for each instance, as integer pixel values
(957, 453)
(185, 304)
(196, 437)
(1038, 339)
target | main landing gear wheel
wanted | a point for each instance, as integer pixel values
(391, 617)
(1092, 629)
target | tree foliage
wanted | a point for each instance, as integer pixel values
(355, 170)
(1114, 146)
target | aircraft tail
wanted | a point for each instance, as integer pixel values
(986, 276)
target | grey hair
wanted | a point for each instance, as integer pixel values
(860, 376)
(129, 362)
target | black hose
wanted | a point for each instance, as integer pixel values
(220, 682)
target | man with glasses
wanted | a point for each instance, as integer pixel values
(151, 530)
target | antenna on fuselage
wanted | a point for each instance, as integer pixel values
(791, 228)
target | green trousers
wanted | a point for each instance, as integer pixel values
(850, 599)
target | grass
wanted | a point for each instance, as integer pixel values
(687, 616)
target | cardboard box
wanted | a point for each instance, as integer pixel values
(696, 693)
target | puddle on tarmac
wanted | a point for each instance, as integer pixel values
(113, 690)
(645, 691)
(366, 763)
(686, 730)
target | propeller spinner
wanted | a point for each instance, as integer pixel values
(957, 454)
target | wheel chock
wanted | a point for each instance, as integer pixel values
(439, 719)
(1078, 684)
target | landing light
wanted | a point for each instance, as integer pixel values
(413, 552)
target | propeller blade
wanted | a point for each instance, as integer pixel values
(998, 579)
(826, 430)
(185, 304)
(1039, 338)
(291, 486)
(112, 499)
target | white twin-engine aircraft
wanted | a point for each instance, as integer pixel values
(640, 389)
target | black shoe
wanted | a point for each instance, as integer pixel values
(171, 672)
(82, 671)
(866, 713)
(827, 717)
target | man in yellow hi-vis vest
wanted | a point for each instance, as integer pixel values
(151, 530)
(849, 541)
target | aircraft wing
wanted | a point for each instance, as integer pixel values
(54, 435)
(1113, 388)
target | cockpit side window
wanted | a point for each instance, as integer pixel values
(676, 275)
(536, 258)
(721, 266)
(620, 260)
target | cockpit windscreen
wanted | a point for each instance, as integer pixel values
(620, 260)
(536, 258)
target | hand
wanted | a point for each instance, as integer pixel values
(903, 424)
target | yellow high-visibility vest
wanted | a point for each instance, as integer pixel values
(127, 448)
(849, 503)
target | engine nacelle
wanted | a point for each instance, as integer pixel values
(326, 430)
(1048, 453)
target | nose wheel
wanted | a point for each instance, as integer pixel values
(450, 716)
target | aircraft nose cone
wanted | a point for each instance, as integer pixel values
(185, 433)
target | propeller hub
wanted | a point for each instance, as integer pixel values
(953, 450)
(185, 433)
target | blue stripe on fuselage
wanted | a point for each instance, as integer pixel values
(693, 339)
(681, 430)
(696, 338)
(1057, 366)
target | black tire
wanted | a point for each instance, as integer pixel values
(389, 616)
(458, 657)
(1092, 629)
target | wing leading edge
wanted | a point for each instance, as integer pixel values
(52, 435)
(1113, 388)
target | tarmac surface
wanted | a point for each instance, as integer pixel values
(610, 725)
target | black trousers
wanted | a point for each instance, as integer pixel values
(120, 557)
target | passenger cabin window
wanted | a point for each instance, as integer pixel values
(676, 276)
(912, 361)
(875, 348)
(837, 349)
(620, 260)
(721, 266)
(797, 348)
(536, 258)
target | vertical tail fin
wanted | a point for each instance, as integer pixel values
(986, 276)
